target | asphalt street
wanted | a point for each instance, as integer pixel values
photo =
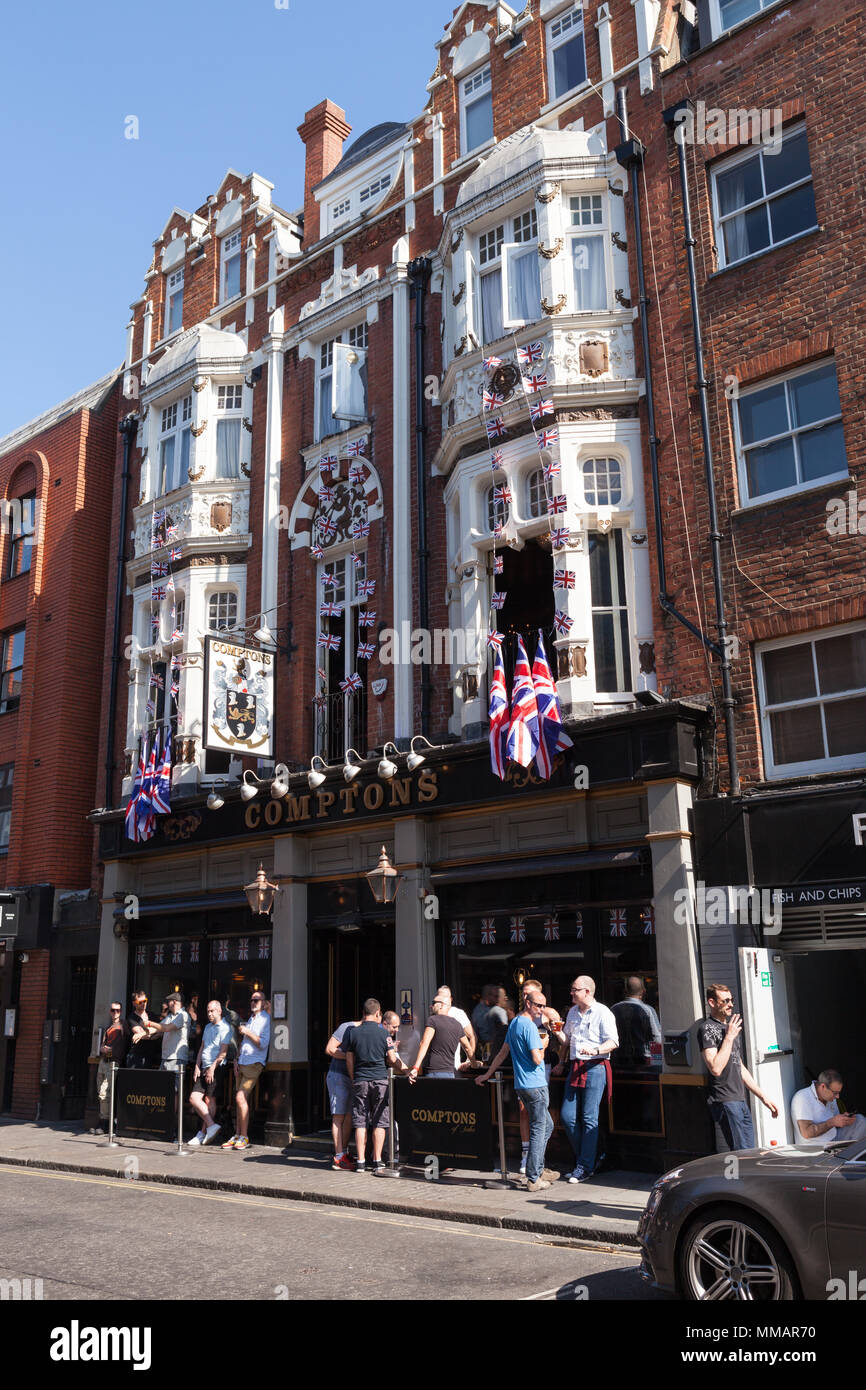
(85, 1236)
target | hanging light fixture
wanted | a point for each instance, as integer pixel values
(414, 760)
(280, 784)
(315, 778)
(215, 802)
(248, 791)
(351, 770)
(260, 893)
(387, 770)
(265, 637)
(384, 880)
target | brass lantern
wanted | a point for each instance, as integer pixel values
(384, 880)
(260, 893)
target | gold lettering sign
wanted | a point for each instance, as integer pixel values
(295, 810)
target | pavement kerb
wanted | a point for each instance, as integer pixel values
(571, 1232)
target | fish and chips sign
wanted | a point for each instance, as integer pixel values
(239, 699)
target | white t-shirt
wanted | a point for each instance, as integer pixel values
(588, 1030)
(464, 1019)
(807, 1106)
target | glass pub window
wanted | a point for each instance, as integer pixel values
(602, 482)
(223, 611)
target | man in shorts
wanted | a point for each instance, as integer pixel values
(340, 1098)
(255, 1037)
(370, 1051)
(207, 1077)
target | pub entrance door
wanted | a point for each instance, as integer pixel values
(349, 963)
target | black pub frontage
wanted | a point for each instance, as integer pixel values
(501, 882)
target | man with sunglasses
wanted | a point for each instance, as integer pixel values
(255, 1037)
(721, 1049)
(815, 1112)
(115, 1042)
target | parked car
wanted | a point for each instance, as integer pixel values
(762, 1225)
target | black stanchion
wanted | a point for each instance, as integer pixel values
(182, 1152)
(391, 1169)
(502, 1180)
(112, 1142)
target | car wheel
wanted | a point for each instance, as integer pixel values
(729, 1253)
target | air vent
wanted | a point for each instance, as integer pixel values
(823, 927)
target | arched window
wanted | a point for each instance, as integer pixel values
(536, 494)
(602, 482)
(497, 511)
(222, 611)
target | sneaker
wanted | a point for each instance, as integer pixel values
(345, 1164)
(211, 1133)
(549, 1175)
(242, 1143)
(578, 1175)
(539, 1185)
(361, 1167)
(230, 1143)
(196, 1141)
(377, 1166)
(523, 1166)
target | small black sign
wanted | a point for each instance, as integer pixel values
(8, 915)
(448, 1119)
(146, 1103)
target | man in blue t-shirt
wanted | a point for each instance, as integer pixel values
(527, 1048)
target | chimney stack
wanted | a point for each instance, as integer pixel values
(323, 132)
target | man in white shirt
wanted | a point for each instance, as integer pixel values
(252, 1055)
(815, 1113)
(590, 1031)
(175, 1032)
(463, 1018)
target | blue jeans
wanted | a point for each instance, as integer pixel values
(732, 1120)
(579, 1115)
(540, 1129)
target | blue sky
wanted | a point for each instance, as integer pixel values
(216, 84)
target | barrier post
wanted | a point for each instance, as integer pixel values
(112, 1142)
(182, 1152)
(391, 1170)
(502, 1180)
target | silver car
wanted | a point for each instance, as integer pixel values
(762, 1225)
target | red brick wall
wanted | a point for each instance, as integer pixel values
(32, 1009)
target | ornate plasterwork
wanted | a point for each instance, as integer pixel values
(341, 284)
(193, 514)
(333, 522)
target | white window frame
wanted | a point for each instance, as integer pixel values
(717, 26)
(492, 258)
(627, 605)
(341, 212)
(375, 189)
(175, 422)
(536, 492)
(556, 39)
(480, 81)
(231, 249)
(724, 166)
(353, 635)
(577, 229)
(358, 336)
(607, 460)
(214, 596)
(773, 769)
(173, 292)
(228, 407)
(801, 486)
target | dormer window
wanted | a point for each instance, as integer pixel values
(374, 190)
(174, 302)
(341, 212)
(228, 431)
(174, 445)
(230, 253)
(476, 109)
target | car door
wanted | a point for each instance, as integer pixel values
(846, 1222)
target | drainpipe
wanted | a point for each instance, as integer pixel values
(728, 702)
(128, 427)
(420, 271)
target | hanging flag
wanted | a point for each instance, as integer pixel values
(193, 952)
(366, 588)
(547, 438)
(351, 683)
(357, 448)
(320, 701)
(321, 673)
(175, 952)
(517, 929)
(498, 529)
(498, 713)
(559, 537)
(532, 352)
(562, 622)
(495, 639)
(317, 552)
(176, 635)
(488, 931)
(458, 933)
(498, 600)
(492, 399)
(159, 955)
(158, 518)
(330, 640)
(162, 784)
(556, 505)
(366, 618)
(491, 363)
(539, 409)
(522, 743)
(331, 610)
(536, 383)
(552, 736)
(326, 496)
(132, 805)
(264, 948)
(618, 921)
(366, 651)
(497, 459)
(564, 579)
(328, 462)
(158, 569)
(357, 473)
(502, 494)
(150, 707)
(147, 773)
(141, 955)
(222, 950)
(175, 554)
(578, 925)
(243, 948)
(553, 469)
(175, 686)
(551, 927)
(157, 593)
(171, 533)
(329, 580)
(498, 564)
(358, 561)
(495, 428)
(327, 528)
(360, 530)
(157, 680)
(648, 918)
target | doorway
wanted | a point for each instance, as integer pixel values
(82, 995)
(828, 990)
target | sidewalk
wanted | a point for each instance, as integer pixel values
(605, 1210)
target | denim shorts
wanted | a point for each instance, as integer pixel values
(339, 1093)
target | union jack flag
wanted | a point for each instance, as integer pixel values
(366, 588)
(159, 517)
(175, 953)
(357, 473)
(557, 504)
(322, 674)
(488, 931)
(498, 529)
(533, 352)
(327, 528)
(562, 622)
(351, 683)
(326, 496)
(331, 610)
(559, 537)
(517, 929)
(330, 640)
(498, 564)
(264, 948)
(458, 933)
(150, 707)
(547, 438)
(175, 554)
(578, 925)
(161, 785)
(157, 593)
(328, 462)
(491, 363)
(502, 494)
(317, 552)
(244, 948)
(366, 651)
(648, 918)
(360, 530)
(154, 628)
(496, 428)
(140, 955)
(159, 955)
(618, 921)
(539, 409)
(536, 383)
(522, 744)
(498, 600)
(551, 928)
(366, 618)
(193, 952)
(175, 688)
(495, 640)
(496, 459)
(552, 737)
(564, 579)
(171, 533)
(158, 569)
(222, 950)
(320, 701)
(357, 448)
(358, 561)
(498, 713)
(158, 680)
(553, 469)
(329, 580)
(491, 399)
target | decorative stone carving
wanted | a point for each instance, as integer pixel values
(456, 298)
(332, 523)
(647, 653)
(195, 477)
(456, 240)
(594, 357)
(186, 749)
(470, 685)
(557, 308)
(612, 412)
(191, 515)
(246, 470)
(460, 348)
(247, 425)
(546, 192)
(201, 429)
(577, 661)
(618, 241)
(221, 516)
(550, 252)
(637, 538)
(616, 189)
(341, 284)
(505, 380)
(200, 385)
(622, 299)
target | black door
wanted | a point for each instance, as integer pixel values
(82, 994)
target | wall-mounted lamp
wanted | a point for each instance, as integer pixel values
(248, 791)
(315, 778)
(386, 769)
(384, 880)
(351, 770)
(215, 801)
(280, 784)
(260, 893)
(414, 760)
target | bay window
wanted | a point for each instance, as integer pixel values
(508, 288)
(587, 251)
(228, 431)
(610, 631)
(174, 446)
